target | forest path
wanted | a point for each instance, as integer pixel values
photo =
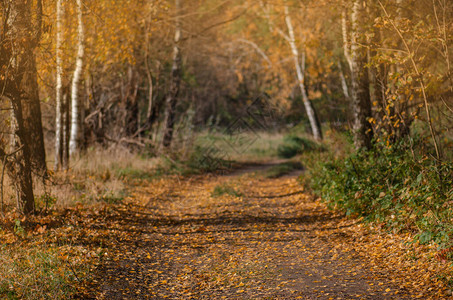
(231, 237)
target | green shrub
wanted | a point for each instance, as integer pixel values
(294, 145)
(389, 186)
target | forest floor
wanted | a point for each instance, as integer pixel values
(244, 236)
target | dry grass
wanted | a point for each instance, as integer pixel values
(39, 271)
(98, 161)
(99, 174)
(39, 262)
(95, 175)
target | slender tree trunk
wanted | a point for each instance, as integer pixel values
(65, 130)
(74, 139)
(149, 75)
(175, 81)
(344, 84)
(59, 90)
(312, 116)
(149, 110)
(63, 146)
(346, 38)
(131, 122)
(361, 105)
(400, 109)
(154, 103)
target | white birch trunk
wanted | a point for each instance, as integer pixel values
(317, 134)
(59, 88)
(75, 81)
(344, 84)
(346, 38)
(361, 104)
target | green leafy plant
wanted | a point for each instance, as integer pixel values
(389, 186)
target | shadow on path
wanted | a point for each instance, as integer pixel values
(274, 242)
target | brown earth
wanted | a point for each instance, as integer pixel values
(261, 239)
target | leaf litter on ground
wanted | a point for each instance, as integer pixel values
(173, 237)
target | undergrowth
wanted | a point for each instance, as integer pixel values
(283, 169)
(294, 145)
(393, 187)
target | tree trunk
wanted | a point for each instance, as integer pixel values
(31, 107)
(361, 105)
(59, 92)
(74, 140)
(65, 116)
(344, 84)
(31, 110)
(346, 38)
(19, 169)
(131, 122)
(175, 81)
(312, 116)
(20, 86)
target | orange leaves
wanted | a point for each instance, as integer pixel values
(182, 242)
(41, 229)
(173, 239)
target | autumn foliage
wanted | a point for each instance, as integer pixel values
(111, 110)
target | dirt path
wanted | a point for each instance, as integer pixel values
(260, 239)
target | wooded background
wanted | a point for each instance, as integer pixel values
(146, 74)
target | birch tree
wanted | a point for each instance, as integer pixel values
(311, 113)
(361, 106)
(298, 58)
(59, 89)
(73, 143)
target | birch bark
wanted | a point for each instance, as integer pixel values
(311, 113)
(59, 90)
(361, 104)
(73, 142)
